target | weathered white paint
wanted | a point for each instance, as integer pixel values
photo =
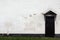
(26, 16)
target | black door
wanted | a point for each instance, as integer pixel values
(49, 26)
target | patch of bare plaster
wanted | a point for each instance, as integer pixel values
(35, 24)
(34, 14)
(30, 15)
(8, 23)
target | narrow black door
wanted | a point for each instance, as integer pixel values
(49, 26)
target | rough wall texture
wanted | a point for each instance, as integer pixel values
(26, 16)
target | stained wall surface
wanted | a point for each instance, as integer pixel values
(26, 16)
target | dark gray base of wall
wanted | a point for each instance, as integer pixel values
(24, 35)
(57, 35)
(29, 35)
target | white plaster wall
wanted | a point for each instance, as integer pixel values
(26, 16)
